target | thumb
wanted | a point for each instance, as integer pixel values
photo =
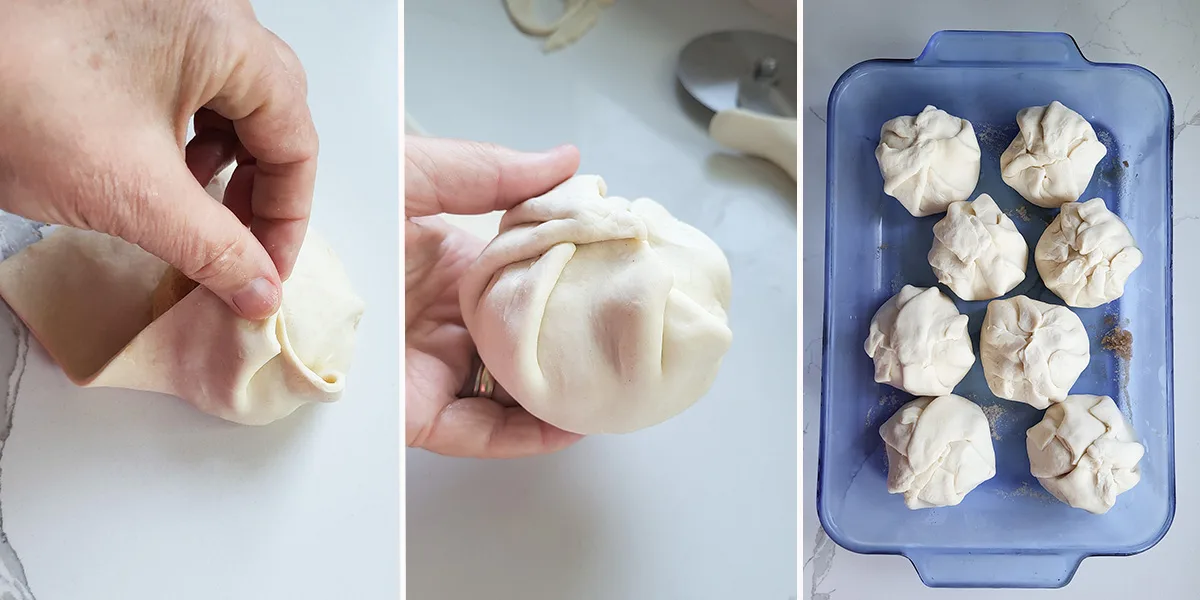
(173, 218)
(474, 178)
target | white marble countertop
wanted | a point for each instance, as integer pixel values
(704, 506)
(1160, 35)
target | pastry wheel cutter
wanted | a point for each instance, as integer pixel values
(748, 80)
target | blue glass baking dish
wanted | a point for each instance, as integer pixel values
(1008, 532)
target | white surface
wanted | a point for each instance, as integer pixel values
(703, 506)
(1158, 34)
(122, 495)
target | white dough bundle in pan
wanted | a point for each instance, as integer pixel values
(1053, 157)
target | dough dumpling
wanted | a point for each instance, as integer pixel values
(1085, 452)
(1052, 159)
(938, 450)
(596, 313)
(977, 251)
(112, 315)
(1032, 352)
(928, 161)
(1086, 254)
(919, 342)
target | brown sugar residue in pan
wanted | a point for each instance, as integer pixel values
(1119, 340)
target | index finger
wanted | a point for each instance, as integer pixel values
(265, 97)
(472, 178)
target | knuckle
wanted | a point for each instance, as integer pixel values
(292, 66)
(217, 263)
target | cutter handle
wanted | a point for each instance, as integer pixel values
(756, 134)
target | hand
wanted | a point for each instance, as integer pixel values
(466, 178)
(93, 119)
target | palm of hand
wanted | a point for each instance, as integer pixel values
(438, 349)
(465, 178)
(438, 352)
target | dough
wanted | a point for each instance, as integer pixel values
(1032, 352)
(1085, 453)
(90, 299)
(928, 161)
(173, 287)
(1086, 254)
(919, 342)
(977, 251)
(579, 16)
(938, 450)
(596, 313)
(1052, 159)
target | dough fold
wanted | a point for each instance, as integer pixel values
(919, 342)
(928, 161)
(1053, 158)
(112, 315)
(938, 450)
(977, 251)
(596, 313)
(1086, 254)
(1085, 452)
(1032, 352)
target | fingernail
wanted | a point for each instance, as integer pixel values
(259, 298)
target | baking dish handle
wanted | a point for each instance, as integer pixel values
(1001, 48)
(985, 570)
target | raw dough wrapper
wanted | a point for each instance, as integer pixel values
(928, 161)
(938, 450)
(1053, 158)
(91, 300)
(1085, 452)
(919, 343)
(1032, 352)
(1087, 254)
(599, 314)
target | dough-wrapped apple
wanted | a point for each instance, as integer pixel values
(919, 342)
(596, 313)
(1086, 254)
(928, 160)
(1032, 352)
(1085, 452)
(1053, 157)
(977, 251)
(112, 315)
(938, 450)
